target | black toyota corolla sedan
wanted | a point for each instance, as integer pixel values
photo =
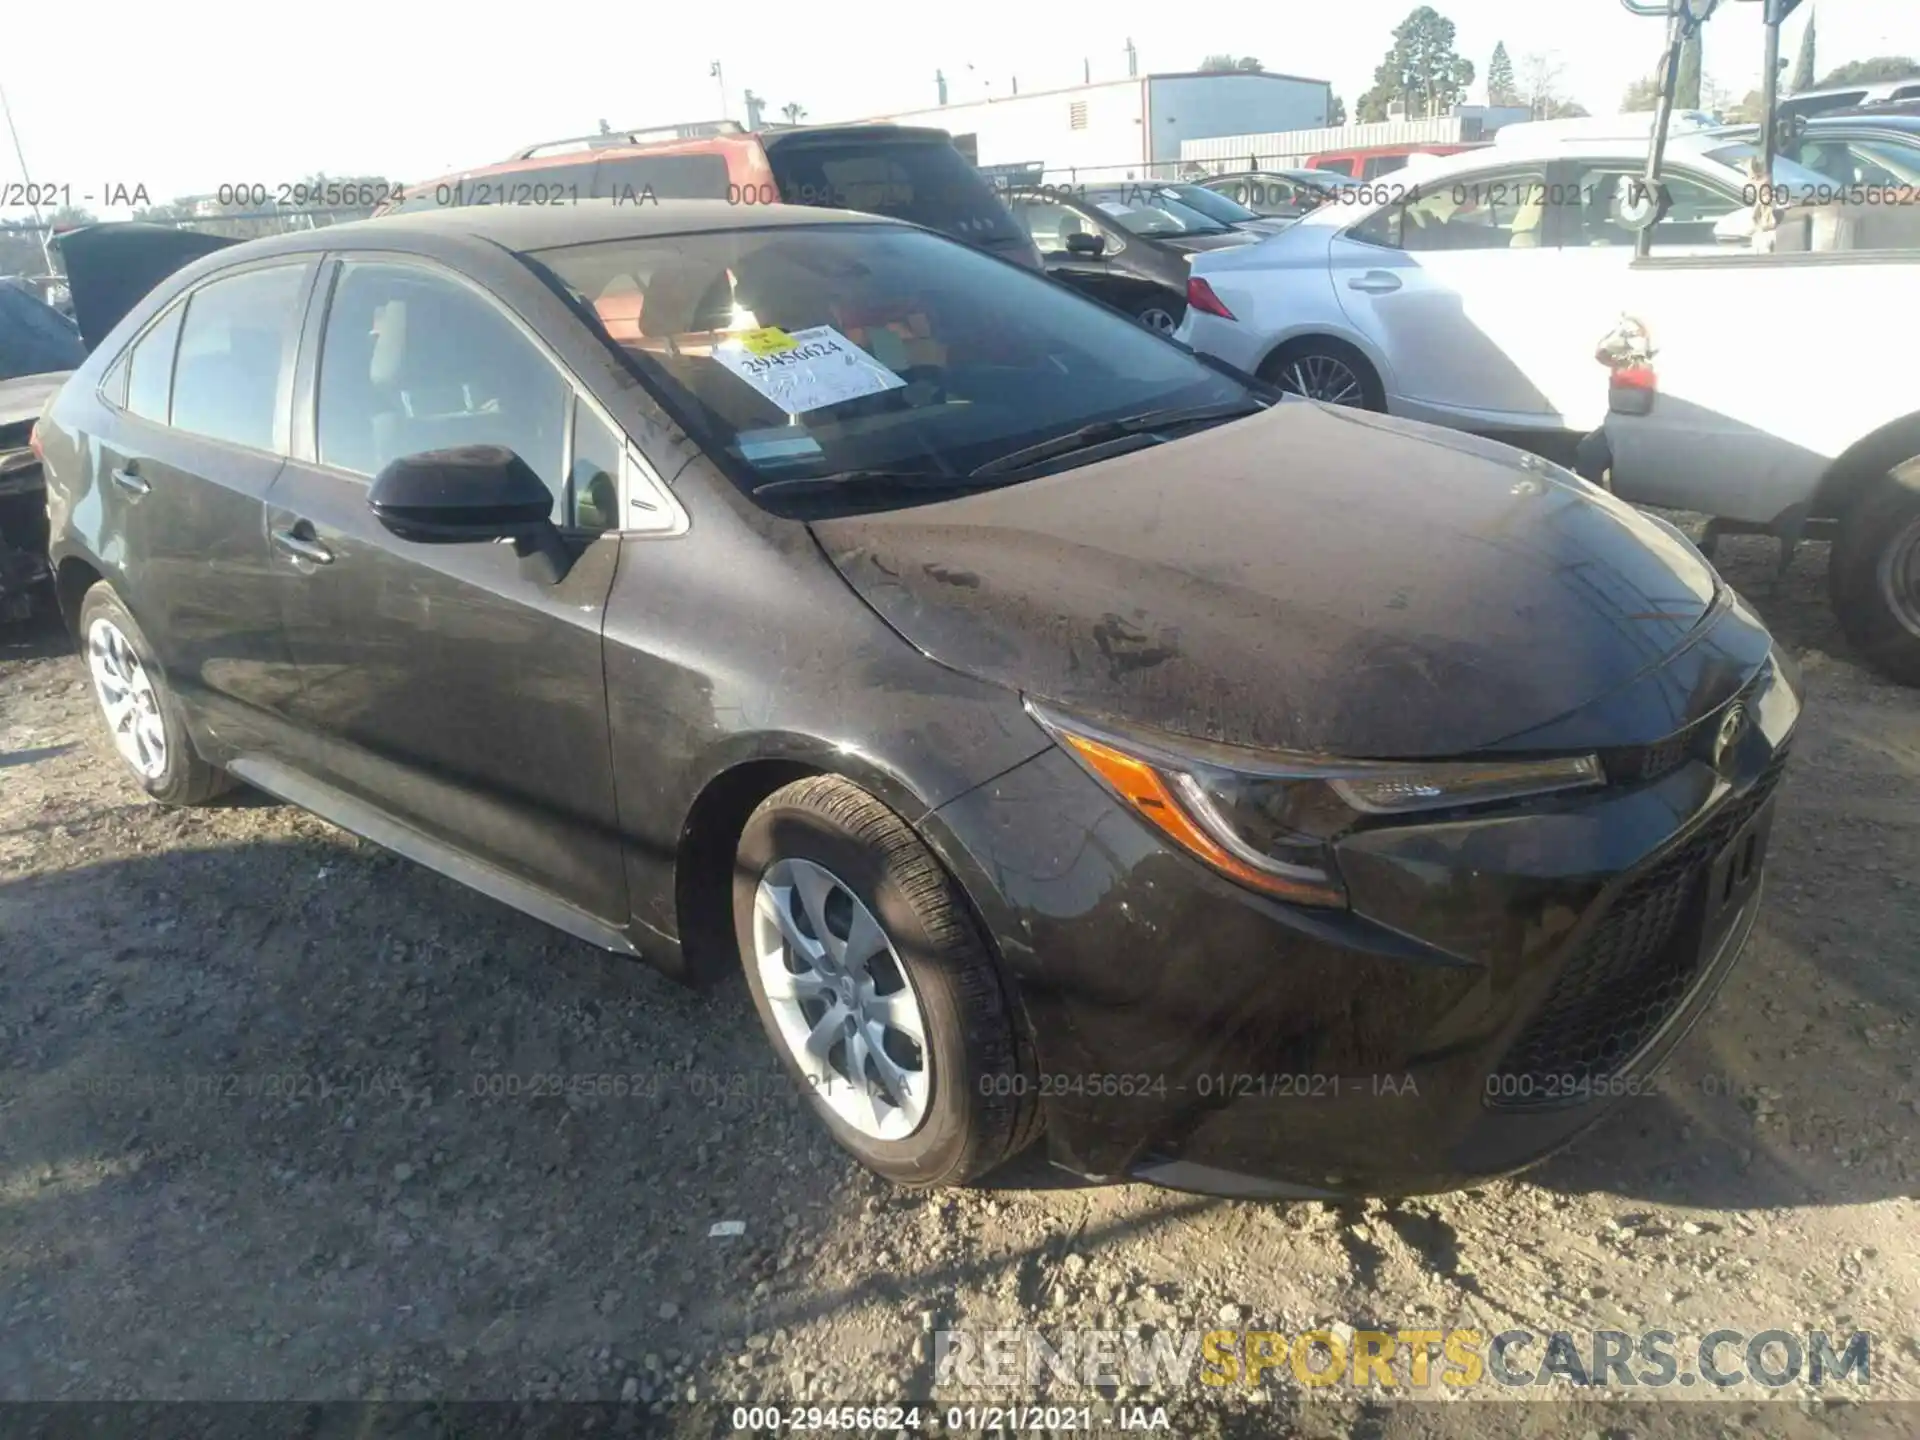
(1260, 798)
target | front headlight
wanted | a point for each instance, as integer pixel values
(1269, 819)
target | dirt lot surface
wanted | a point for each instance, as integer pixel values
(268, 1130)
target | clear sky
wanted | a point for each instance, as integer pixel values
(185, 96)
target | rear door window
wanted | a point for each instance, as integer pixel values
(235, 347)
(150, 368)
(925, 182)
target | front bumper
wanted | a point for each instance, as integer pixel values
(1500, 982)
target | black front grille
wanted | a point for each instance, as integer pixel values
(1638, 764)
(1634, 971)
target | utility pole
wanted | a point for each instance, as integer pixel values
(715, 73)
(1133, 59)
(46, 244)
(940, 79)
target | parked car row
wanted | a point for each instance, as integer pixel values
(1474, 295)
(812, 596)
(38, 347)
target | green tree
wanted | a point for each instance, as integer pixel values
(1336, 111)
(794, 111)
(1422, 71)
(170, 213)
(1687, 95)
(1642, 94)
(1803, 71)
(1219, 64)
(1501, 89)
(1876, 71)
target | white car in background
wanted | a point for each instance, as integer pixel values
(1470, 290)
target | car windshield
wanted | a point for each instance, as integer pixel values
(1213, 206)
(817, 350)
(1155, 214)
(926, 182)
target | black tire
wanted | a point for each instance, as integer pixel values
(1278, 368)
(1868, 596)
(186, 778)
(982, 1107)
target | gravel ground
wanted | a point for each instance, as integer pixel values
(267, 1132)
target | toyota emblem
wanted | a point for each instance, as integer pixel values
(1732, 726)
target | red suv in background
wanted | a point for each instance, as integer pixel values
(1375, 160)
(906, 172)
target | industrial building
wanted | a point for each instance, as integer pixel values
(1289, 148)
(1130, 124)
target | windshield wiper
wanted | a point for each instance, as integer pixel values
(1101, 432)
(845, 479)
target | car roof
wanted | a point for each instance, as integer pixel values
(739, 142)
(1683, 147)
(524, 228)
(1902, 119)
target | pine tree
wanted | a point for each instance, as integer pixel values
(1500, 87)
(1422, 70)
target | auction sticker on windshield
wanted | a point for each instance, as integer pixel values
(820, 367)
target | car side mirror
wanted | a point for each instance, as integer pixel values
(469, 495)
(1084, 242)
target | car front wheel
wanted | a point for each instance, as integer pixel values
(877, 989)
(1874, 574)
(142, 716)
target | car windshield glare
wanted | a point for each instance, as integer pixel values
(1788, 173)
(1216, 207)
(816, 350)
(1156, 212)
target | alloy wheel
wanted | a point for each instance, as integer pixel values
(842, 1001)
(1159, 320)
(127, 699)
(1322, 377)
(1900, 577)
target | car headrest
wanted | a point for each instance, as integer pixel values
(389, 343)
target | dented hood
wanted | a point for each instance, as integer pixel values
(1309, 579)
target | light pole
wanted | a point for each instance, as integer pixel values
(26, 180)
(715, 72)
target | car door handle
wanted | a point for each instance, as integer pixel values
(128, 478)
(1375, 282)
(302, 546)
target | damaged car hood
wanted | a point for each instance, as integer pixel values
(1310, 579)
